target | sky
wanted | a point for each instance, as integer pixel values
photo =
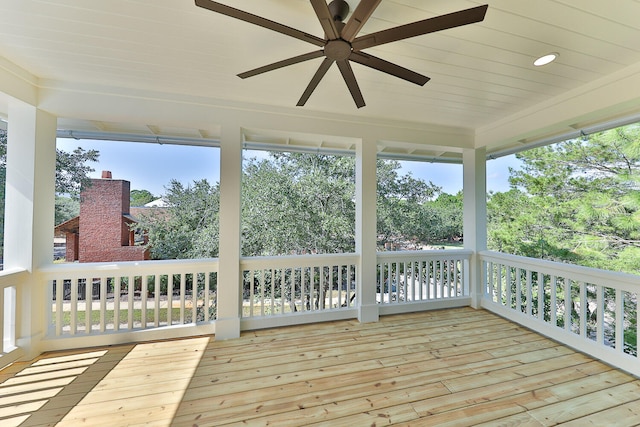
(449, 176)
(150, 166)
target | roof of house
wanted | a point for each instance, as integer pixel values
(69, 226)
(73, 225)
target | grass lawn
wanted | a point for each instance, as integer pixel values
(123, 316)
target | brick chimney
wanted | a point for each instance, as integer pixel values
(102, 206)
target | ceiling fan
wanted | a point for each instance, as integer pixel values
(342, 44)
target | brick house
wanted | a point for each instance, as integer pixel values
(101, 233)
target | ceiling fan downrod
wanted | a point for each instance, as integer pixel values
(339, 10)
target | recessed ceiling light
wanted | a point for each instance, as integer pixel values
(544, 60)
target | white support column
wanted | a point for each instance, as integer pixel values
(29, 213)
(229, 278)
(366, 230)
(475, 215)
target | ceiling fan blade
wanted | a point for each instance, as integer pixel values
(431, 25)
(352, 84)
(324, 67)
(358, 18)
(260, 21)
(325, 18)
(283, 63)
(388, 67)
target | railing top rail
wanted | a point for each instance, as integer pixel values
(10, 276)
(577, 272)
(297, 260)
(431, 254)
(130, 267)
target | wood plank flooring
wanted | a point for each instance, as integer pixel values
(443, 368)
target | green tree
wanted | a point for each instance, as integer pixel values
(298, 203)
(72, 171)
(402, 205)
(141, 197)
(66, 209)
(188, 226)
(576, 201)
(446, 213)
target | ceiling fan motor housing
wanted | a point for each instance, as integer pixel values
(338, 50)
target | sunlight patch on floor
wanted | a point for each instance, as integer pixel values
(34, 386)
(147, 385)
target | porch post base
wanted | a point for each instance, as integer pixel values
(368, 313)
(476, 302)
(228, 328)
(30, 345)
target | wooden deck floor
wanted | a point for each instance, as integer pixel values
(454, 367)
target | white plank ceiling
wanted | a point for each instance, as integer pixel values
(480, 73)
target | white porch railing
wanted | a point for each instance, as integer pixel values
(10, 282)
(592, 310)
(304, 284)
(97, 298)
(430, 279)
(100, 304)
